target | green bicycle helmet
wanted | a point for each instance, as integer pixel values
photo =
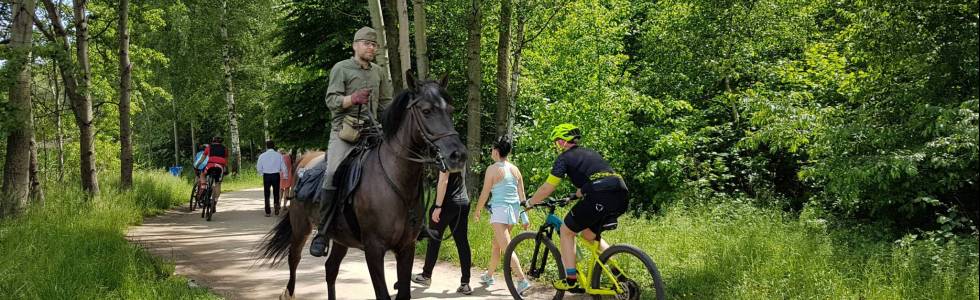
(567, 132)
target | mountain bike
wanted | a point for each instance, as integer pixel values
(207, 202)
(621, 272)
(194, 196)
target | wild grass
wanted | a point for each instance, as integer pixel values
(73, 248)
(738, 251)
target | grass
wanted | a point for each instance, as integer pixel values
(71, 248)
(738, 251)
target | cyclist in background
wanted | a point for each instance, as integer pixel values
(217, 165)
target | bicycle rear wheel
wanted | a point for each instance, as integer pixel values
(633, 270)
(540, 261)
(211, 203)
(193, 203)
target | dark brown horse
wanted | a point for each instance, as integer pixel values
(418, 129)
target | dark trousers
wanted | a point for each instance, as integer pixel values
(271, 181)
(454, 216)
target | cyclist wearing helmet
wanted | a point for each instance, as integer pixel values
(217, 165)
(605, 196)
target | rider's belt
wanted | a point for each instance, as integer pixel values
(611, 182)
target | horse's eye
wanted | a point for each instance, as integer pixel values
(426, 111)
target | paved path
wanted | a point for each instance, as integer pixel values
(219, 255)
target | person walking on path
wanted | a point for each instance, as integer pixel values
(270, 165)
(504, 181)
(285, 183)
(357, 91)
(453, 214)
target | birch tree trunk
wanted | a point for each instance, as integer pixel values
(421, 47)
(16, 169)
(125, 131)
(404, 45)
(236, 149)
(503, 51)
(381, 55)
(390, 17)
(515, 69)
(83, 101)
(37, 193)
(474, 77)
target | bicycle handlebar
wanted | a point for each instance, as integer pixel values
(552, 202)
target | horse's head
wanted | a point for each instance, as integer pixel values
(422, 117)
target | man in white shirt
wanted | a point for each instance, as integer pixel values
(270, 164)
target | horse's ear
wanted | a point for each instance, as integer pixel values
(444, 80)
(410, 78)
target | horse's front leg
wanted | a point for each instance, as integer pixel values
(375, 257)
(332, 266)
(405, 259)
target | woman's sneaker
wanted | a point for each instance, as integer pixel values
(523, 285)
(422, 279)
(464, 289)
(486, 279)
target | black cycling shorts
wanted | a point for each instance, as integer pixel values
(596, 210)
(216, 172)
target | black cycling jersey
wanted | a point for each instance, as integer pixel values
(580, 164)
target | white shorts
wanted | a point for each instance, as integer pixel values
(503, 214)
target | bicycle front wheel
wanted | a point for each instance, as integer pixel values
(536, 260)
(632, 270)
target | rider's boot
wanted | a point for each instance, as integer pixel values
(320, 244)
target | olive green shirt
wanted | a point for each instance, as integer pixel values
(347, 77)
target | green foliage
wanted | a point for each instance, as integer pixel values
(73, 248)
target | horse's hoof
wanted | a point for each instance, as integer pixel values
(285, 295)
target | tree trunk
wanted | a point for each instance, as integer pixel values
(37, 193)
(83, 102)
(474, 77)
(236, 149)
(125, 69)
(16, 187)
(176, 140)
(503, 51)
(390, 17)
(381, 55)
(404, 45)
(421, 48)
(193, 139)
(515, 71)
(76, 90)
(58, 126)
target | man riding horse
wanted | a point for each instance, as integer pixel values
(358, 90)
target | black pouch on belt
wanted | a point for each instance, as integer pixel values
(606, 184)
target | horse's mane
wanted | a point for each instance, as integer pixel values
(391, 118)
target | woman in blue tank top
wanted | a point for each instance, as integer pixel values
(506, 185)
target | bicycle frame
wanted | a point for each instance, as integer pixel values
(552, 224)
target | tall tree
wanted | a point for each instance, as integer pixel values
(421, 47)
(125, 73)
(474, 78)
(236, 149)
(404, 45)
(75, 77)
(17, 165)
(378, 22)
(390, 16)
(503, 51)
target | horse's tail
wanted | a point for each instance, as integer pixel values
(275, 244)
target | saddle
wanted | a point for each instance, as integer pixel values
(348, 175)
(309, 180)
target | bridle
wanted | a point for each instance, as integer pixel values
(431, 154)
